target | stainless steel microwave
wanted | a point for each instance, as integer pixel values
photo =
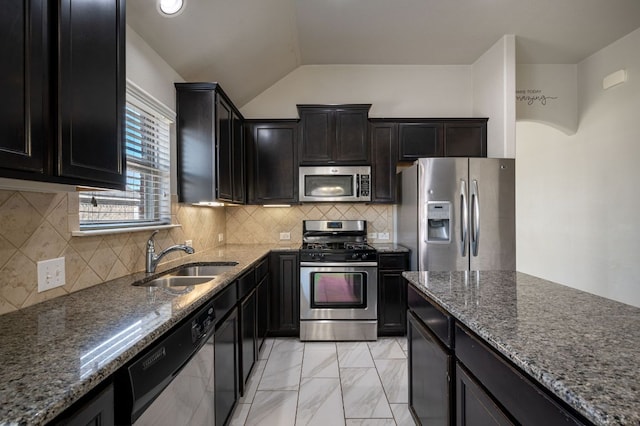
(335, 183)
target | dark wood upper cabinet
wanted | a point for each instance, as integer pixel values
(24, 86)
(63, 86)
(210, 145)
(91, 84)
(384, 157)
(272, 161)
(334, 134)
(466, 138)
(419, 140)
(455, 137)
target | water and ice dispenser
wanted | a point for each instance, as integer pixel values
(439, 222)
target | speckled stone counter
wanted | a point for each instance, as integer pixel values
(389, 248)
(46, 358)
(583, 348)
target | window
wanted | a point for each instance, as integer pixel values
(146, 201)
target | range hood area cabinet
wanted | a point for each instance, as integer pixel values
(63, 88)
(210, 145)
(334, 134)
(272, 161)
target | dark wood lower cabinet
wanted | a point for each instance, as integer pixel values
(226, 367)
(284, 294)
(392, 294)
(262, 308)
(474, 407)
(248, 337)
(430, 388)
(96, 409)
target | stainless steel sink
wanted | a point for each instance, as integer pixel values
(210, 270)
(189, 275)
(175, 281)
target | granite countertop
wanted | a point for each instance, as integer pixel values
(48, 356)
(389, 248)
(583, 348)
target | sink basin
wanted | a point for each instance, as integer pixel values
(204, 270)
(175, 281)
(189, 275)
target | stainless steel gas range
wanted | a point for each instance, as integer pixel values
(338, 282)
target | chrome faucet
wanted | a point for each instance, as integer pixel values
(153, 259)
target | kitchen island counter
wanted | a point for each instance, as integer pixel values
(583, 348)
(55, 352)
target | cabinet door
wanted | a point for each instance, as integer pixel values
(224, 145)
(226, 368)
(195, 133)
(392, 294)
(351, 141)
(238, 159)
(247, 337)
(474, 407)
(91, 97)
(285, 294)
(273, 163)
(23, 84)
(430, 396)
(465, 138)
(384, 152)
(262, 308)
(316, 135)
(419, 140)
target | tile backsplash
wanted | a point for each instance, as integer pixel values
(256, 224)
(37, 226)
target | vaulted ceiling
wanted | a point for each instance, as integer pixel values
(248, 45)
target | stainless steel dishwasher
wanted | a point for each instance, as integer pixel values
(172, 381)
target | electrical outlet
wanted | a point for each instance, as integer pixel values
(220, 237)
(285, 235)
(188, 243)
(372, 235)
(383, 236)
(50, 274)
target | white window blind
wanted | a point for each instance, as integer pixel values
(146, 201)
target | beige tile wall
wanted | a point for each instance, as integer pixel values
(37, 226)
(256, 224)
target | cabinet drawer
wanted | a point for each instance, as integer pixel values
(392, 261)
(225, 301)
(246, 283)
(262, 269)
(525, 401)
(436, 321)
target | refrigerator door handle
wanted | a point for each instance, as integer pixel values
(475, 218)
(464, 218)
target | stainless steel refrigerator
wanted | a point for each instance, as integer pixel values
(458, 214)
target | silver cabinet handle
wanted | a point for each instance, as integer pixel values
(464, 218)
(475, 218)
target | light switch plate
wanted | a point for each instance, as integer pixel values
(50, 274)
(220, 237)
(383, 236)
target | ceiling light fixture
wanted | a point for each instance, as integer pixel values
(170, 7)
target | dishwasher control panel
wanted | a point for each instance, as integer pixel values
(203, 322)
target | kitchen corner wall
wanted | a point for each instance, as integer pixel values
(37, 226)
(263, 225)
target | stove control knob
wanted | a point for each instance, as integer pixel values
(354, 256)
(364, 256)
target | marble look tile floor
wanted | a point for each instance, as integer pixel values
(325, 383)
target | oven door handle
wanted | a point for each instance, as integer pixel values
(338, 264)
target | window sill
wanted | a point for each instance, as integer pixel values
(95, 232)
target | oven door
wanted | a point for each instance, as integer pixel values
(338, 291)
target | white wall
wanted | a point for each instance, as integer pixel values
(494, 76)
(394, 91)
(149, 71)
(578, 200)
